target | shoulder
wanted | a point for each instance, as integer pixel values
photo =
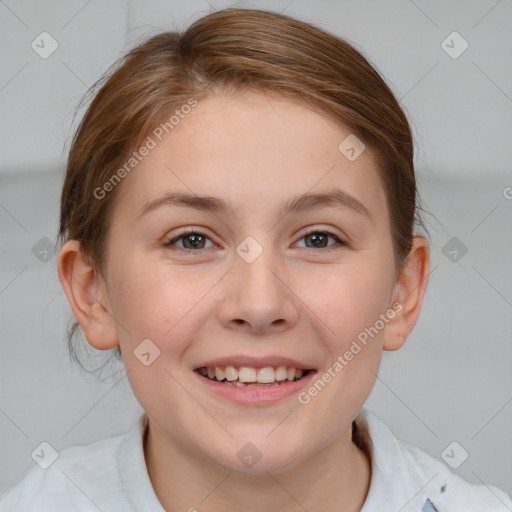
(419, 482)
(447, 490)
(77, 480)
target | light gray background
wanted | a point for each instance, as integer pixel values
(450, 382)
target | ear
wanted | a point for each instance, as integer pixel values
(408, 295)
(87, 295)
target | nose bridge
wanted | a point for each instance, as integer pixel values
(253, 265)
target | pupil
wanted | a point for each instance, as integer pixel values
(318, 239)
(196, 239)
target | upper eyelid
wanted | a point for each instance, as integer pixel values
(188, 231)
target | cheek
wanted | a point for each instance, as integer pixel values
(167, 305)
(161, 302)
(348, 301)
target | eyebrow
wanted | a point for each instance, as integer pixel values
(296, 204)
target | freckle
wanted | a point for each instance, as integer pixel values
(443, 488)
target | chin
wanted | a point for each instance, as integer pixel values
(263, 457)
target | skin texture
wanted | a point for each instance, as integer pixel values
(295, 300)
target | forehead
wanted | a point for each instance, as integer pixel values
(251, 147)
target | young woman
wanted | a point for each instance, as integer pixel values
(238, 222)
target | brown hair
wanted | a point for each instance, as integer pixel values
(232, 50)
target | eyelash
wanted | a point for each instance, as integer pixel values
(169, 244)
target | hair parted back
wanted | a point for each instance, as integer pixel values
(228, 51)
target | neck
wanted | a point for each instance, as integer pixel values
(335, 479)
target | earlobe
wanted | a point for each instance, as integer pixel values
(87, 296)
(410, 290)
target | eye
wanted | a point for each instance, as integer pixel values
(320, 239)
(190, 240)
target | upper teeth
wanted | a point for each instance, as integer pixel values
(248, 374)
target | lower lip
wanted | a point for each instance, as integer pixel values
(256, 396)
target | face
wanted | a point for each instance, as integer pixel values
(260, 276)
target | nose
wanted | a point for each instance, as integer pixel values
(258, 297)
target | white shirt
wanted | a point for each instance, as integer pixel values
(111, 476)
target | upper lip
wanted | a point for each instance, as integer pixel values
(254, 362)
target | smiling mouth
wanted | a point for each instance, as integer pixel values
(247, 377)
